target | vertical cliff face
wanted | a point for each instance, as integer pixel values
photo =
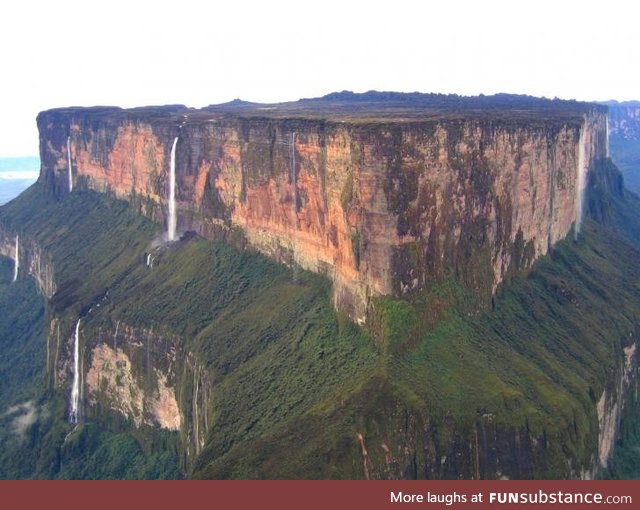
(624, 131)
(620, 394)
(221, 348)
(381, 205)
(33, 261)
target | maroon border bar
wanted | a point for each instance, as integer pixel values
(282, 495)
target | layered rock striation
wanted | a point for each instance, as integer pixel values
(383, 193)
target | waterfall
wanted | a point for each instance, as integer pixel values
(75, 389)
(292, 177)
(48, 357)
(294, 187)
(69, 163)
(148, 259)
(57, 354)
(606, 153)
(582, 178)
(16, 262)
(115, 338)
(171, 225)
(196, 431)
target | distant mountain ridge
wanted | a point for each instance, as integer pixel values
(624, 140)
(500, 100)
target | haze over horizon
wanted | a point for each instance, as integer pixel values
(133, 54)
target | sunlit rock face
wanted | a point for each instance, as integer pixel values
(383, 197)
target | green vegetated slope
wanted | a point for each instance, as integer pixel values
(21, 336)
(611, 204)
(301, 392)
(534, 366)
(92, 241)
(22, 362)
(626, 154)
(274, 346)
(536, 363)
(33, 421)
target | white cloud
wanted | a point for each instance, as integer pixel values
(26, 415)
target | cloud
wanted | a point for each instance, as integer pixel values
(19, 175)
(26, 415)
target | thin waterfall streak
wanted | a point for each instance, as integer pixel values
(294, 187)
(115, 337)
(75, 389)
(48, 355)
(172, 222)
(16, 262)
(206, 419)
(293, 174)
(69, 163)
(81, 385)
(195, 409)
(580, 185)
(56, 356)
(607, 139)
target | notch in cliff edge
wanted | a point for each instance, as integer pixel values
(391, 192)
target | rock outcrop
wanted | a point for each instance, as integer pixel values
(143, 376)
(383, 197)
(32, 261)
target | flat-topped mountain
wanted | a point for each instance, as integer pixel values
(374, 285)
(370, 107)
(382, 192)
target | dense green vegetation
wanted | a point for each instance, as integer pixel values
(92, 241)
(273, 347)
(85, 238)
(266, 339)
(22, 362)
(295, 384)
(627, 158)
(535, 362)
(94, 453)
(22, 344)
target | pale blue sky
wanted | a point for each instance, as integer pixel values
(127, 53)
